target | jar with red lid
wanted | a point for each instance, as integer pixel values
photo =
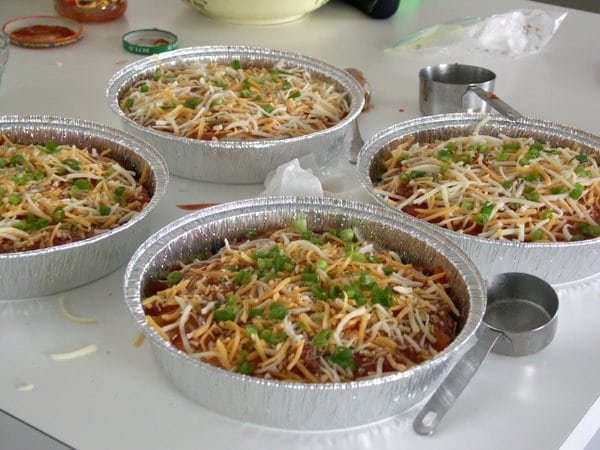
(90, 10)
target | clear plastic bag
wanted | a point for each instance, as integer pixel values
(514, 33)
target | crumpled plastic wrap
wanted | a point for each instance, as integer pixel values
(515, 33)
(302, 177)
(292, 179)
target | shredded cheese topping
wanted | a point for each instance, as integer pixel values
(73, 318)
(53, 194)
(78, 353)
(228, 102)
(304, 306)
(496, 187)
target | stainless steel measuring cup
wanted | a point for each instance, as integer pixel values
(448, 88)
(520, 319)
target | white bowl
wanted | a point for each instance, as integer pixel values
(256, 12)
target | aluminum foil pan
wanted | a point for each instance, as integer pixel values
(559, 263)
(43, 272)
(238, 162)
(302, 405)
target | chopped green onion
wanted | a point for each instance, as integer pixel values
(443, 155)
(242, 277)
(50, 147)
(468, 205)
(191, 103)
(507, 184)
(524, 161)
(104, 210)
(320, 340)
(268, 108)
(219, 83)
(417, 174)
(58, 215)
(72, 163)
(309, 278)
(174, 277)
(511, 146)
(255, 312)
(236, 64)
(277, 311)
(318, 292)
(245, 368)
(484, 213)
(532, 176)
(3, 163)
(380, 295)
(532, 196)
(322, 264)
(144, 88)
(41, 223)
(582, 157)
(347, 235)
(17, 160)
(537, 235)
(300, 225)
(342, 356)
(227, 311)
(129, 102)
(14, 199)
(317, 317)
(577, 191)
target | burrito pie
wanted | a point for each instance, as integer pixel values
(303, 305)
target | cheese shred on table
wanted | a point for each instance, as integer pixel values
(496, 187)
(231, 102)
(54, 194)
(304, 306)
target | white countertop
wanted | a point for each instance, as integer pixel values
(117, 397)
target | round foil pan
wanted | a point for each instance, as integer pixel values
(37, 273)
(238, 162)
(302, 405)
(560, 263)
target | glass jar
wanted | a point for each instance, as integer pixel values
(90, 10)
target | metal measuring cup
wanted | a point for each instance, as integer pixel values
(520, 319)
(449, 88)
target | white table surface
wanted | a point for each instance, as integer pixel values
(117, 397)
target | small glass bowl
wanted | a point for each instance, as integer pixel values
(4, 41)
(91, 10)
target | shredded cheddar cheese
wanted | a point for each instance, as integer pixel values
(496, 187)
(228, 102)
(304, 306)
(53, 194)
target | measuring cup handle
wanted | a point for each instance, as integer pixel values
(443, 398)
(491, 99)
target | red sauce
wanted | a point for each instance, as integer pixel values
(195, 206)
(41, 33)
